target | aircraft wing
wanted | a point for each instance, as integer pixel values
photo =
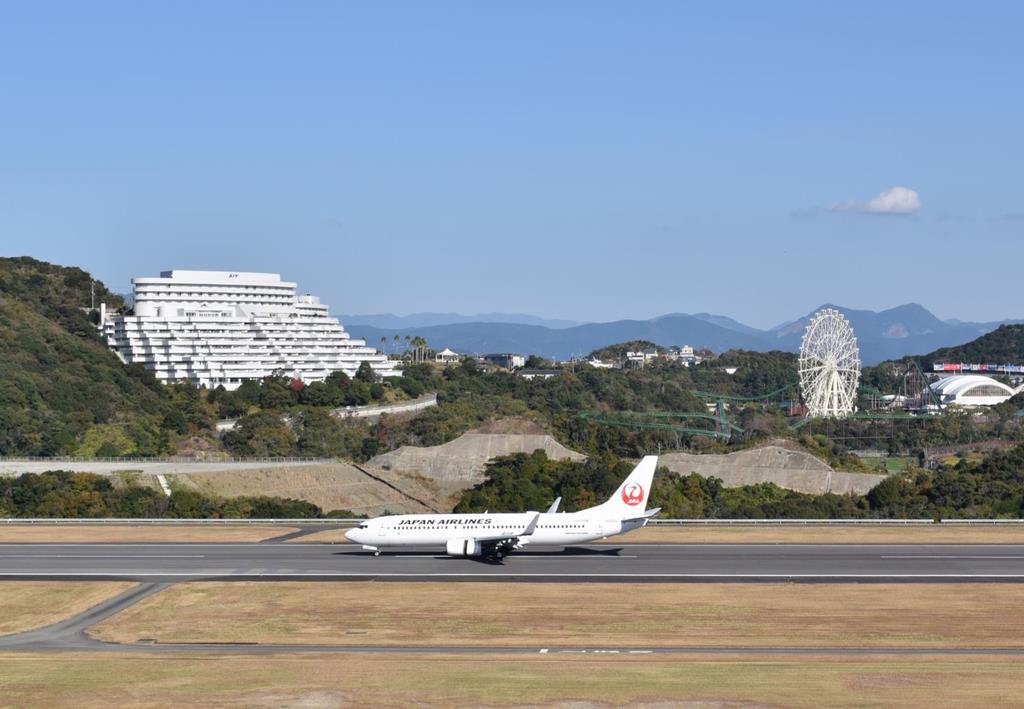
(508, 541)
(554, 506)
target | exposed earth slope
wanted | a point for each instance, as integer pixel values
(789, 469)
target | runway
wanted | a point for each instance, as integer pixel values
(166, 563)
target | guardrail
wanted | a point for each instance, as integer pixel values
(347, 522)
(107, 521)
(788, 522)
(159, 459)
(369, 411)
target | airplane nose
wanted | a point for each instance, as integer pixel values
(352, 535)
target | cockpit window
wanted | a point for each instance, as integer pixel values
(363, 526)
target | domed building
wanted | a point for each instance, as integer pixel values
(972, 390)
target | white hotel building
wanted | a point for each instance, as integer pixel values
(218, 328)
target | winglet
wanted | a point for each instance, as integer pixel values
(554, 506)
(531, 526)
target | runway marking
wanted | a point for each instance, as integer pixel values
(595, 557)
(947, 556)
(218, 574)
(102, 556)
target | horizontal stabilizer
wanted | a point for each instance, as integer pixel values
(646, 515)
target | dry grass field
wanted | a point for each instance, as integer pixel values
(25, 605)
(724, 534)
(576, 681)
(589, 615)
(809, 534)
(148, 533)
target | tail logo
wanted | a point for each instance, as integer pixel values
(633, 494)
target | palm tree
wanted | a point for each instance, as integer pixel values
(384, 344)
(418, 343)
(406, 343)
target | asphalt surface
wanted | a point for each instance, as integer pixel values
(166, 563)
(156, 566)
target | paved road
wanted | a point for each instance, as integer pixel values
(19, 467)
(626, 562)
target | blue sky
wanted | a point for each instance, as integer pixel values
(585, 160)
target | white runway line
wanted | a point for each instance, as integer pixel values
(945, 556)
(102, 556)
(514, 574)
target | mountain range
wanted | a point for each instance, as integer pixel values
(908, 329)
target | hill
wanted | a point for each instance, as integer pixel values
(1003, 346)
(58, 293)
(58, 381)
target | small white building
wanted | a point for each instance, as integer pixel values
(685, 355)
(972, 390)
(507, 360)
(532, 374)
(447, 356)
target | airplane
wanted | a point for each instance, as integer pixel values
(494, 535)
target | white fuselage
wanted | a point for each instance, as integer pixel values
(437, 530)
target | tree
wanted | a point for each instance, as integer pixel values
(317, 394)
(260, 434)
(322, 436)
(419, 345)
(276, 393)
(366, 374)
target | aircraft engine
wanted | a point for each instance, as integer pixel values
(463, 547)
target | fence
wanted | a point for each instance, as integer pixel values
(159, 459)
(344, 522)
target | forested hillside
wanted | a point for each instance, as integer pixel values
(1004, 345)
(64, 494)
(992, 488)
(60, 387)
(58, 293)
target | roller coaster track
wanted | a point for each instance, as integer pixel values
(792, 386)
(661, 421)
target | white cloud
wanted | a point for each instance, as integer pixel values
(895, 200)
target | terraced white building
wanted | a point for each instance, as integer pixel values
(221, 328)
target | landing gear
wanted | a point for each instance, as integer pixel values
(376, 552)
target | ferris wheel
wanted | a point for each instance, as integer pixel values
(829, 365)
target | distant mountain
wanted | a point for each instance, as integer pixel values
(481, 338)
(389, 321)
(890, 334)
(728, 323)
